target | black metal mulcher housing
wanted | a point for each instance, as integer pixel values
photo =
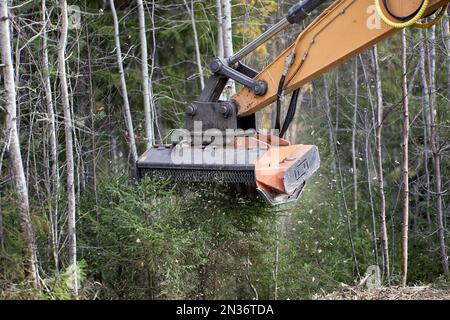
(162, 162)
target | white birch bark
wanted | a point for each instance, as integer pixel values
(379, 158)
(149, 121)
(432, 62)
(445, 26)
(123, 84)
(15, 155)
(432, 139)
(434, 144)
(404, 166)
(68, 131)
(227, 29)
(227, 32)
(220, 53)
(354, 127)
(53, 214)
(367, 159)
(152, 70)
(330, 127)
(191, 12)
(439, 192)
(426, 124)
(367, 152)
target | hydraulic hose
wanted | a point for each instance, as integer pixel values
(401, 25)
(436, 19)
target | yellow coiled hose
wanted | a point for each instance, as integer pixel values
(436, 19)
(401, 25)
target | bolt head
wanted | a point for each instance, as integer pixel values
(215, 65)
(260, 88)
(191, 109)
(225, 110)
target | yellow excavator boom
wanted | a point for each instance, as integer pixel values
(343, 30)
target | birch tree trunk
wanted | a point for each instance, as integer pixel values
(330, 127)
(68, 131)
(379, 158)
(354, 127)
(15, 155)
(92, 124)
(405, 167)
(149, 119)
(227, 32)
(198, 56)
(220, 52)
(445, 26)
(54, 191)
(434, 144)
(123, 84)
(439, 192)
(432, 63)
(438, 185)
(154, 64)
(227, 29)
(367, 152)
(426, 125)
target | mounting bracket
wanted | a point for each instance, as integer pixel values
(219, 67)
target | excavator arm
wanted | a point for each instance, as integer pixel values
(343, 30)
(220, 142)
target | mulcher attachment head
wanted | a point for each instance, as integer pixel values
(275, 168)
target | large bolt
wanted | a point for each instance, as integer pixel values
(191, 109)
(260, 88)
(215, 65)
(225, 110)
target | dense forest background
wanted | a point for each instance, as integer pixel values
(109, 237)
